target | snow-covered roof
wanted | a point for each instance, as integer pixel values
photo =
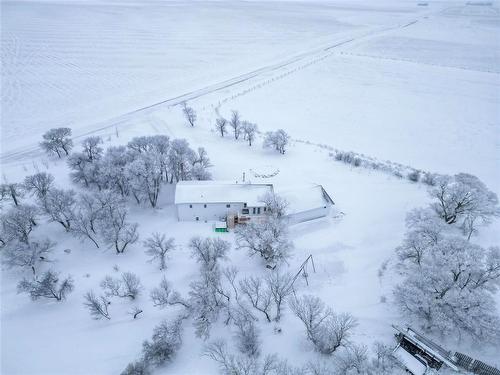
(220, 192)
(409, 361)
(304, 197)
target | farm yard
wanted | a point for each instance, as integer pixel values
(376, 99)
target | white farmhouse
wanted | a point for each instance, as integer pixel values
(235, 203)
(216, 200)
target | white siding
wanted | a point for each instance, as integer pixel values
(316, 213)
(212, 211)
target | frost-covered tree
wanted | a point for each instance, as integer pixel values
(13, 191)
(208, 251)
(258, 294)
(189, 114)
(139, 367)
(221, 125)
(327, 330)
(249, 131)
(465, 198)
(48, 285)
(57, 141)
(39, 184)
(247, 336)
(278, 140)
(59, 205)
(451, 289)
(164, 343)
(163, 296)
(280, 287)
(425, 229)
(128, 285)
(92, 149)
(275, 204)
(112, 166)
(27, 255)
(235, 123)
(97, 305)
(83, 171)
(269, 239)
(18, 223)
(145, 176)
(180, 156)
(157, 248)
(116, 230)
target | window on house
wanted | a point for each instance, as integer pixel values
(253, 210)
(258, 211)
(245, 205)
(245, 211)
(204, 206)
(197, 218)
(228, 206)
(190, 206)
(265, 209)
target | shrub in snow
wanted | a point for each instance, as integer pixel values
(450, 288)
(189, 113)
(465, 198)
(327, 330)
(12, 191)
(97, 305)
(235, 123)
(48, 285)
(57, 141)
(128, 285)
(39, 184)
(413, 176)
(269, 239)
(278, 140)
(136, 368)
(157, 248)
(27, 255)
(18, 223)
(220, 125)
(247, 336)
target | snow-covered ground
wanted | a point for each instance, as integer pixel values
(423, 93)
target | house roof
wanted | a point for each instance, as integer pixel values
(304, 198)
(220, 192)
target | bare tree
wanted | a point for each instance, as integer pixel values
(280, 286)
(127, 286)
(163, 296)
(259, 295)
(249, 131)
(220, 125)
(57, 141)
(277, 140)
(275, 204)
(39, 184)
(145, 175)
(97, 305)
(235, 123)
(13, 191)
(117, 231)
(189, 114)
(18, 223)
(59, 205)
(208, 251)
(47, 286)
(27, 255)
(327, 330)
(92, 149)
(158, 247)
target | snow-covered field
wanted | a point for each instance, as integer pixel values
(415, 85)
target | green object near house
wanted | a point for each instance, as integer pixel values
(221, 230)
(220, 227)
